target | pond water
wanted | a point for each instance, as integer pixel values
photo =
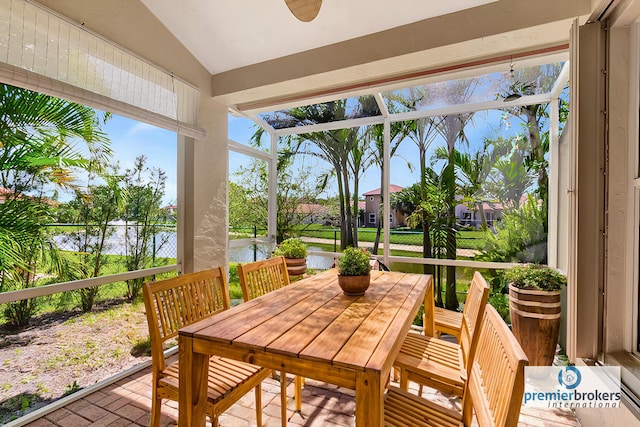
(263, 251)
(165, 246)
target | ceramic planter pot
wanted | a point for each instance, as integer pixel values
(354, 285)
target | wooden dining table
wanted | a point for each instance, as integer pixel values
(310, 328)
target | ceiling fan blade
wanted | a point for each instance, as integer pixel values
(304, 10)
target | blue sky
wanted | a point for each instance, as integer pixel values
(130, 139)
(487, 124)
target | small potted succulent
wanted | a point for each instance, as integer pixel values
(295, 253)
(534, 308)
(353, 271)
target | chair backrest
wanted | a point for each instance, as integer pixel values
(261, 277)
(496, 381)
(180, 301)
(472, 314)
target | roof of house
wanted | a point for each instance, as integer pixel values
(310, 208)
(392, 189)
(7, 193)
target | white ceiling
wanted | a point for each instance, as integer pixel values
(228, 34)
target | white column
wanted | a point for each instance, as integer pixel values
(273, 188)
(572, 297)
(554, 155)
(208, 218)
(185, 227)
(386, 164)
(633, 210)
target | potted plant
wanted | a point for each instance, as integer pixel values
(534, 308)
(353, 271)
(295, 253)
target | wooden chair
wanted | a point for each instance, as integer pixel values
(494, 392)
(442, 364)
(259, 278)
(181, 301)
(447, 321)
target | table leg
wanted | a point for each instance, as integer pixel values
(283, 397)
(194, 367)
(369, 399)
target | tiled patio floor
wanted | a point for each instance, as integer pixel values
(128, 403)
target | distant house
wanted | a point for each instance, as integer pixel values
(372, 209)
(8, 194)
(313, 213)
(170, 211)
(5, 193)
(493, 211)
(471, 217)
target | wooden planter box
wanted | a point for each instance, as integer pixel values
(535, 322)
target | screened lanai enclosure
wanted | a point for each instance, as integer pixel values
(460, 164)
(444, 137)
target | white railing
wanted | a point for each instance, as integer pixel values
(40, 291)
(430, 261)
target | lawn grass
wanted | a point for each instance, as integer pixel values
(68, 301)
(466, 239)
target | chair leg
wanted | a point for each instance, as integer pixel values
(283, 398)
(259, 405)
(404, 380)
(156, 406)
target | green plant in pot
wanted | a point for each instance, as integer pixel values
(295, 253)
(534, 309)
(353, 271)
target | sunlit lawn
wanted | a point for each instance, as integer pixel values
(66, 301)
(466, 239)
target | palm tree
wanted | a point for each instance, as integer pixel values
(398, 130)
(451, 128)
(511, 178)
(425, 204)
(423, 132)
(39, 138)
(474, 169)
(341, 148)
(527, 82)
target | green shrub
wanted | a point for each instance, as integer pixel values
(519, 236)
(534, 276)
(291, 248)
(354, 262)
(500, 302)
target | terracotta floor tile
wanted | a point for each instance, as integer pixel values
(323, 405)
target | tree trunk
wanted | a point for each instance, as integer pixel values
(537, 155)
(451, 296)
(483, 217)
(451, 299)
(348, 241)
(343, 222)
